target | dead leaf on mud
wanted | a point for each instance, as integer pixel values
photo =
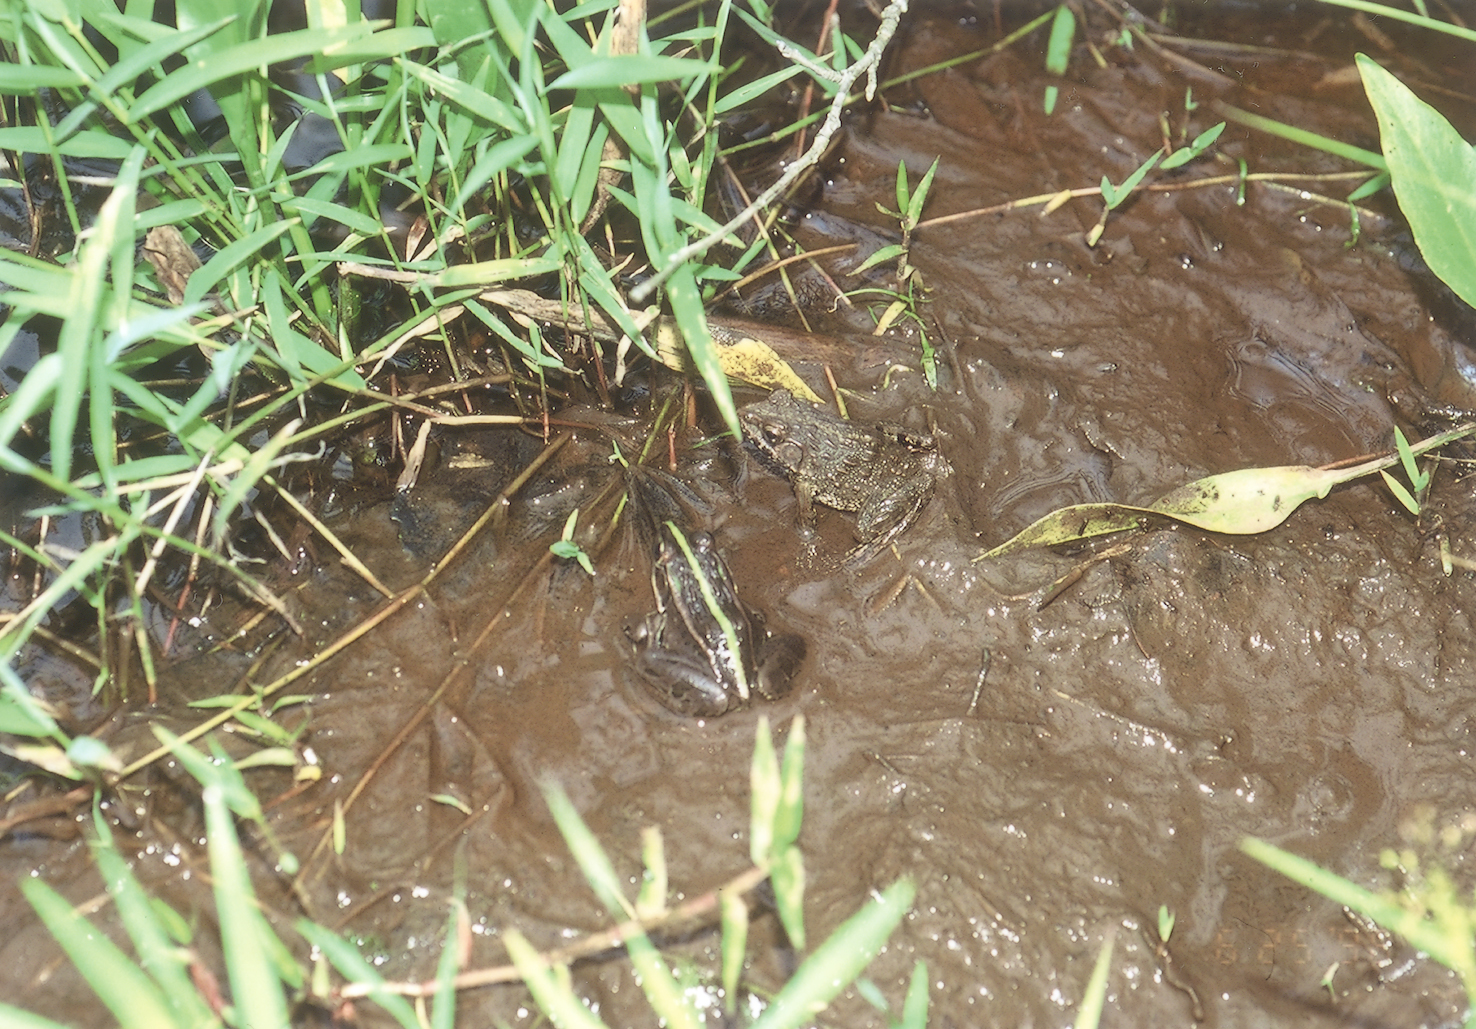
(741, 355)
(1241, 502)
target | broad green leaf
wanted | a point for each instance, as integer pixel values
(22, 715)
(1434, 174)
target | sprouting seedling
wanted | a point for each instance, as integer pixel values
(1115, 195)
(565, 547)
(1418, 479)
(908, 213)
(910, 203)
(1327, 979)
(1166, 920)
(1058, 51)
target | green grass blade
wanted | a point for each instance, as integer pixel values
(657, 982)
(1302, 136)
(229, 257)
(29, 139)
(469, 98)
(129, 994)
(125, 72)
(553, 995)
(77, 342)
(28, 79)
(250, 56)
(1451, 949)
(1394, 13)
(587, 851)
(632, 69)
(255, 987)
(1090, 1014)
(734, 945)
(1058, 47)
(15, 1018)
(838, 960)
(1434, 174)
(915, 1006)
(156, 951)
(353, 966)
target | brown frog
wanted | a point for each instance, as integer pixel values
(883, 472)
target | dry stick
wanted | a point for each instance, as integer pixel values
(866, 64)
(497, 505)
(595, 943)
(349, 557)
(1270, 178)
(358, 631)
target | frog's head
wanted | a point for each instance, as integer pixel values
(774, 425)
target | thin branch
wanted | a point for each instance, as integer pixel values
(865, 65)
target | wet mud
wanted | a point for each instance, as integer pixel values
(1048, 775)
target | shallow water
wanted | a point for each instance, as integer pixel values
(1047, 775)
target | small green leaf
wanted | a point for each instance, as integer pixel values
(1166, 919)
(881, 256)
(913, 209)
(1058, 48)
(787, 874)
(1401, 494)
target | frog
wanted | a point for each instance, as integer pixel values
(886, 473)
(691, 661)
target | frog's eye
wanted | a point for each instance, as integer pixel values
(773, 436)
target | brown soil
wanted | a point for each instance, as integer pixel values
(1047, 775)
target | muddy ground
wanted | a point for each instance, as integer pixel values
(1047, 775)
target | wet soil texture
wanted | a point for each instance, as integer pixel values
(1048, 775)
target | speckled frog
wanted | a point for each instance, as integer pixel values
(884, 472)
(704, 652)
